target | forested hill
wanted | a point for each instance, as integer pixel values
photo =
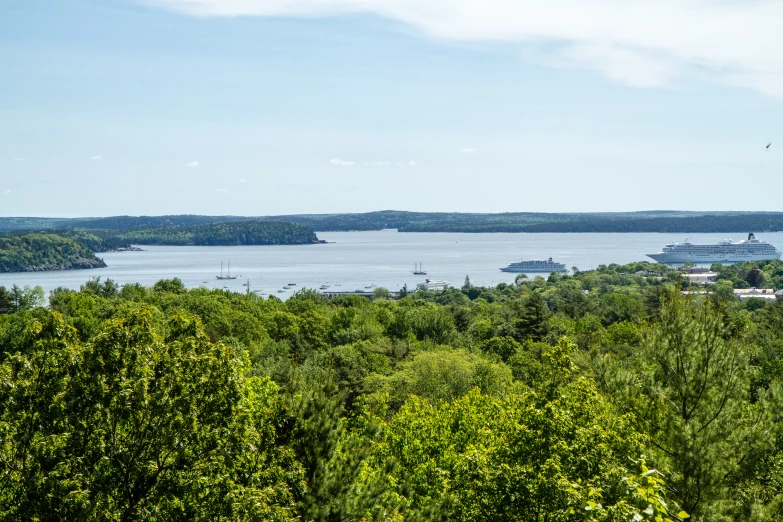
(37, 252)
(64, 249)
(217, 234)
(111, 223)
(647, 221)
(650, 221)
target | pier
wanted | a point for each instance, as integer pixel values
(367, 294)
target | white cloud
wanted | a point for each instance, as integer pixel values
(381, 163)
(96, 158)
(192, 164)
(342, 163)
(221, 190)
(412, 164)
(242, 180)
(637, 42)
(6, 192)
(468, 150)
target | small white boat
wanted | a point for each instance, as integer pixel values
(286, 288)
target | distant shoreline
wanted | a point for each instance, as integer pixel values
(198, 229)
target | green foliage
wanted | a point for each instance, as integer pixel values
(136, 424)
(36, 251)
(229, 233)
(442, 375)
(558, 399)
(503, 347)
(524, 457)
(688, 388)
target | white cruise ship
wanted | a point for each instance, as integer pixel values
(535, 265)
(724, 252)
(435, 285)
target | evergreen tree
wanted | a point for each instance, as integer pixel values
(533, 318)
(688, 389)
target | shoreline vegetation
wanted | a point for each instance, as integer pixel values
(37, 252)
(661, 221)
(67, 249)
(554, 398)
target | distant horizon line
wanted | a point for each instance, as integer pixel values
(596, 212)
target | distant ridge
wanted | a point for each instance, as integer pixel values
(665, 221)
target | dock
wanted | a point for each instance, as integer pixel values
(367, 294)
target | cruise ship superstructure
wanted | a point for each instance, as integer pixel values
(433, 285)
(535, 265)
(726, 251)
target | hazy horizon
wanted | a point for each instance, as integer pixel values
(251, 107)
(722, 211)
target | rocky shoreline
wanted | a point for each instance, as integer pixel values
(127, 249)
(75, 264)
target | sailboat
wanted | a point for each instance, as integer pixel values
(228, 275)
(419, 270)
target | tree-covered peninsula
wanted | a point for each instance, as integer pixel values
(216, 234)
(64, 249)
(40, 251)
(232, 233)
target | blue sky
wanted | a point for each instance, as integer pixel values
(258, 107)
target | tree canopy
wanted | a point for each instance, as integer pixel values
(603, 395)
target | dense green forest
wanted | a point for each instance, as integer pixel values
(62, 249)
(229, 233)
(653, 221)
(603, 395)
(114, 222)
(40, 251)
(649, 221)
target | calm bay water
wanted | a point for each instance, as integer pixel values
(353, 260)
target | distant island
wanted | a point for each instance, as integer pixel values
(36, 252)
(196, 229)
(71, 248)
(230, 233)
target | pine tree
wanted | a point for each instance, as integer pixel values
(688, 389)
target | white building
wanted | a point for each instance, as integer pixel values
(768, 294)
(704, 278)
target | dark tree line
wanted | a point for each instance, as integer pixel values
(648, 221)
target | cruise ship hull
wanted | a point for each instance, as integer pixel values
(717, 257)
